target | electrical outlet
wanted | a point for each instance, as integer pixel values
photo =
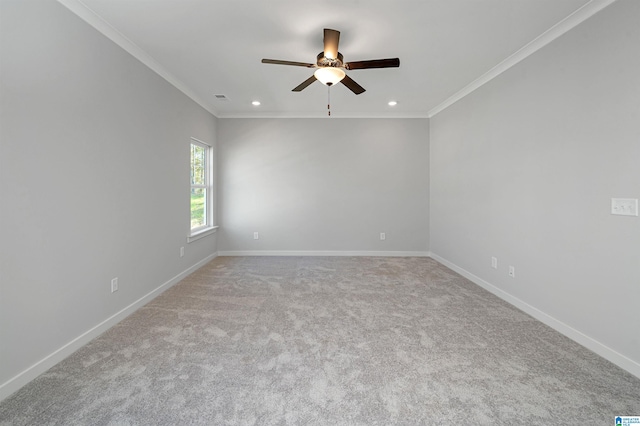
(512, 271)
(114, 285)
(256, 236)
(383, 236)
(494, 262)
(181, 251)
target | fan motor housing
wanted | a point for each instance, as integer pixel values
(322, 61)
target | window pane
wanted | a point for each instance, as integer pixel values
(198, 202)
(198, 165)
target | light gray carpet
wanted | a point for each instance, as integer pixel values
(327, 341)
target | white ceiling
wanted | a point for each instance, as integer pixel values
(208, 47)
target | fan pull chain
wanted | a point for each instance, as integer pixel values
(329, 100)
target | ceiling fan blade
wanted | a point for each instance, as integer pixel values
(304, 84)
(297, 64)
(331, 40)
(374, 63)
(352, 85)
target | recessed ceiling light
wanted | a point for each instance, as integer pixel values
(393, 103)
(255, 103)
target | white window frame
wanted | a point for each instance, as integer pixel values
(209, 195)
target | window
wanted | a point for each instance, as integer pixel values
(201, 190)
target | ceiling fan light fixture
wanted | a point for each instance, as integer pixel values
(330, 65)
(329, 75)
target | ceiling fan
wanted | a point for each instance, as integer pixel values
(330, 65)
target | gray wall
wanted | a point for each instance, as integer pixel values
(94, 181)
(524, 169)
(323, 185)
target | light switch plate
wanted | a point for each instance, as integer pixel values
(624, 206)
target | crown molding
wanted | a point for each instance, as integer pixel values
(571, 21)
(321, 115)
(92, 18)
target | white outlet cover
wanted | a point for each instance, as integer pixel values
(624, 206)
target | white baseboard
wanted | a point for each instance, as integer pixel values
(588, 342)
(15, 383)
(324, 253)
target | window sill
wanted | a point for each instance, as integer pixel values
(202, 233)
